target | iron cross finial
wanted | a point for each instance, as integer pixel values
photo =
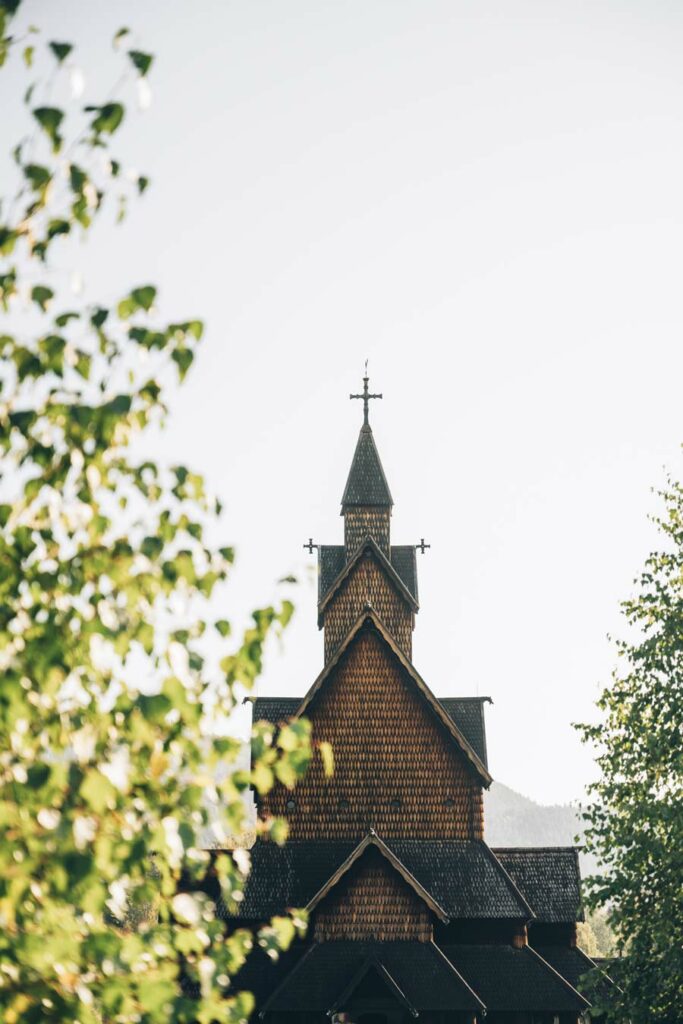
(310, 547)
(366, 396)
(422, 547)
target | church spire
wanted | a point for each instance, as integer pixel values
(367, 501)
(366, 485)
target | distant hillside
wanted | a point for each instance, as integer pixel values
(511, 819)
(514, 820)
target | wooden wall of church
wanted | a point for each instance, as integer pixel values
(368, 584)
(360, 523)
(397, 769)
(372, 901)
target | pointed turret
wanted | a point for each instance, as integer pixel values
(366, 484)
(367, 501)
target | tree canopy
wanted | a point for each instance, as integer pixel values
(117, 770)
(635, 819)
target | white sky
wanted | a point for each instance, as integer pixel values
(485, 199)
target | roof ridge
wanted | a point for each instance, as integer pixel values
(278, 988)
(534, 849)
(457, 973)
(473, 699)
(534, 953)
(512, 885)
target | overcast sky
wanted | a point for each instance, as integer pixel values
(485, 200)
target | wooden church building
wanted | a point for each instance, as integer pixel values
(412, 914)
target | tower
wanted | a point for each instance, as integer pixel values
(411, 913)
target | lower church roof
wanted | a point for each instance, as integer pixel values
(326, 972)
(569, 961)
(509, 979)
(322, 978)
(462, 876)
(549, 877)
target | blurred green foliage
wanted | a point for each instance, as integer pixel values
(635, 818)
(115, 758)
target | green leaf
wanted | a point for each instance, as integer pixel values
(41, 295)
(152, 547)
(122, 32)
(83, 364)
(50, 119)
(97, 791)
(77, 178)
(183, 357)
(144, 297)
(58, 226)
(28, 55)
(143, 183)
(63, 318)
(37, 175)
(327, 756)
(141, 61)
(223, 627)
(109, 117)
(98, 316)
(126, 308)
(61, 50)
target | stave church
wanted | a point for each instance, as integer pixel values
(412, 915)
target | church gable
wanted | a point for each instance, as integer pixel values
(369, 580)
(397, 767)
(372, 900)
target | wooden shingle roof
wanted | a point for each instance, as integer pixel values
(569, 961)
(466, 712)
(549, 877)
(366, 484)
(461, 877)
(371, 546)
(514, 980)
(326, 972)
(332, 559)
(468, 715)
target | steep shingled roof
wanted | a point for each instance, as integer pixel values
(468, 715)
(461, 876)
(326, 971)
(368, 547)
(572, 963)
(549, 877)
(509, 980)
(332, 559)
(366, 483)
(404, 562)
(466, 712)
